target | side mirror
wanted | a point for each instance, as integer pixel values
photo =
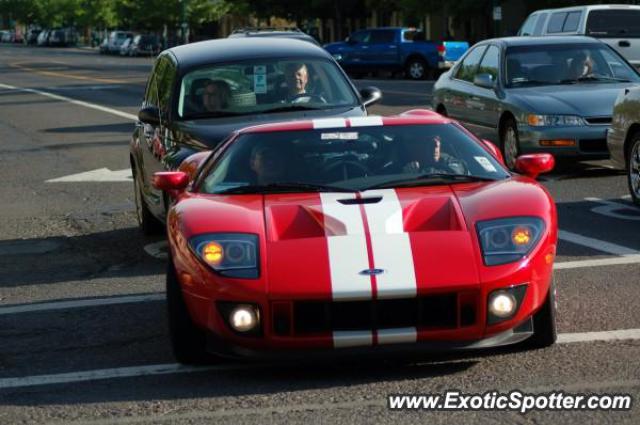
(534, 164)
(169, 181)
(370, 95)
(494, 150)
(149, 115)
(484, 80)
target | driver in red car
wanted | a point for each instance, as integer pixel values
(417, 156)
(268, 165)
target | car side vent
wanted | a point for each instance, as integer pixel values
(359, 201)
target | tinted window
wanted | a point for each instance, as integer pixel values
(467, 69)
(614, 23)
(351, 158)
(571, 24)
(556, 22)
(382, 36)
(166, 78)
(565, 64)
(264, 86)
(360, 37)
(528, 25)
(542, 19)
(490, 62)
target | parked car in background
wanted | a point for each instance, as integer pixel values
(617, 25)
(116, 39)
(31, 38)
(199, 93)
(124, 48)
(395, 49)
(273, 32)
(145, 45)
(8, 36)
(43, 38)
(537, 94)
(623, 138)
(63, 37)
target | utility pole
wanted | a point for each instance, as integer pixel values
(496, 12)
(184, 25)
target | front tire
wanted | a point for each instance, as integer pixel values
(187, 340)
(416, 69)
(633, 168)
(510, 143)
(544, 323)
(149, 224)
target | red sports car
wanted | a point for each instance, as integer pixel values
(402, 231)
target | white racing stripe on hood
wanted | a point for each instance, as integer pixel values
(347, 253)
(391, 245)
(329, 123)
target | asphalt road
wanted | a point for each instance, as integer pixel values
(105, 358)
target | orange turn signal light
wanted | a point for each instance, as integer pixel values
(521, 236)
(558, 142)
(213, 253)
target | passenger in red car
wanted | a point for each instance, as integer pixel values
(267, 164)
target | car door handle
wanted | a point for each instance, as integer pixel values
(624, 43)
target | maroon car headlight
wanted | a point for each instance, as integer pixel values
(229, 254)
(507, 240)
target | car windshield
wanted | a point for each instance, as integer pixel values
(565, 64)
(263, 86)
(351, 159)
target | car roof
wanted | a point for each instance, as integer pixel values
(413, 117)
(241, 48)
(540, 41)
(588, 7)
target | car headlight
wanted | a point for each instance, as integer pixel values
(507, 240)
(553, 120)
(230, 254)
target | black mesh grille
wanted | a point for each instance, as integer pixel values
(594, 145)
(432, 312)
(599, 120)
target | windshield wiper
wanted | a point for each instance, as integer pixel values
(283, 187)
(291, 108)
(431, 178)
(594, 78)
(527, 82)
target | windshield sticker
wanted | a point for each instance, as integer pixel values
(339, 136)
(260, 79)
(485, 163)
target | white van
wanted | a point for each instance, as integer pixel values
(617, 25)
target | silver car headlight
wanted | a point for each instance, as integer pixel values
(230, 254)
(535, 120)
(507, 240)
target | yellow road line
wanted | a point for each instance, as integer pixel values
(67, 75)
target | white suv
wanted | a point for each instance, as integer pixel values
(617, 25)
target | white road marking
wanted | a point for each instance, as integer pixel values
(79, 303)
(158, 250)
(164, 369)
(99, 175)
(621, 334)
(596, 244)
(598, 262)
(73, 101)
(609, 208)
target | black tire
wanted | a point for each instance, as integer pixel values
(633, 168)
(417, 69)
(510, 147)
(187, 340)
(544, 323)
(149, 224)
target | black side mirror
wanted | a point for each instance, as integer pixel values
(370, 95)
(149, 115)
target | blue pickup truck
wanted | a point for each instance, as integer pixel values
(395, 49)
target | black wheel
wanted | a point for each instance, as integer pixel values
(510, 143)
(633, 168)
(544, 323)
(187, 340)
(148, 223)
(417, 69)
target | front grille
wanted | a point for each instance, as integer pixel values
(598, 120)
(444, 311)
(593, 145)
